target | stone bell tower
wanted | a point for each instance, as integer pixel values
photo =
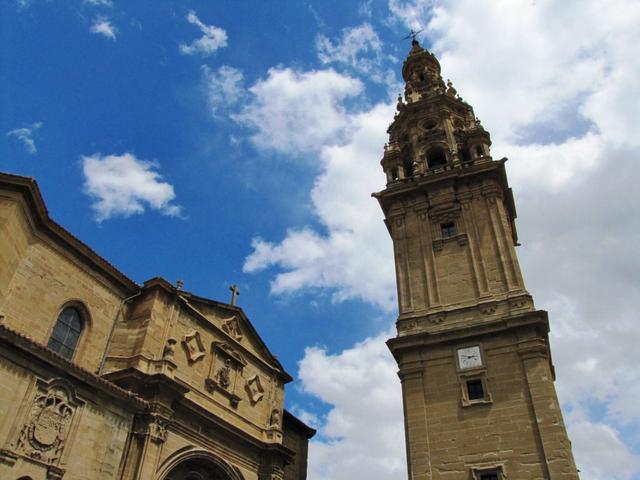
(472, 350)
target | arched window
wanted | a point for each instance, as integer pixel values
(436, 157)
(66, 332)
(479, 151)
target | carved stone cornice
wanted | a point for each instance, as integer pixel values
(465, 197)
(8, 457)
(491, 192)
(461, 239)
(444, 213)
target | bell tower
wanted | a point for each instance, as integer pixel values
(472, 350)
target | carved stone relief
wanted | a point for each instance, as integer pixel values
(169, 349)
(445, 213)
(193, 346)
(152, 426)
(274, 420)
(487, 308)
(254, 388)
(45, 431)
(232, 326)
(225, 368)
(223, 375)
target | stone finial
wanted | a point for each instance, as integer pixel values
(451, 91)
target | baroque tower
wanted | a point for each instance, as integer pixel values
(472, 350)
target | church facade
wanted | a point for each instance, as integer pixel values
(472, 350)
(102, 378)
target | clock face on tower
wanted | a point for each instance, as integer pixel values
(469, 357)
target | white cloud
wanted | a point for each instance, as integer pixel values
(25, 136)
(223, 86)
(599, 451)
(102, 26)
(362, 435)
(213, 38)
(354, 258)
(299, 112)
(123, 185)
(360, 49)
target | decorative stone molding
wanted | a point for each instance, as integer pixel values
(158, 430)
(491, 192)
(254, 389)
(496, 469)
(55, 473)
(445, 213)
(225, 368)
(461, 239)
(437, 318)
(271, 472)
(476, 375)
(193, 346)
(487, 308)
(45, 431)
(407, 325)
(8, 457)
(518, 303)
(465, 198)
(152, 426)
(231, 326)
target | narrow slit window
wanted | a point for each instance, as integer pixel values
(479, 150)
(448, 229)
(475, 391)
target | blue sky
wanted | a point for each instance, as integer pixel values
(238, 142)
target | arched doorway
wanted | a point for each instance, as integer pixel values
(199, 469)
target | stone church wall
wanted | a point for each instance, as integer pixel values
(39, 278)
(52, 425)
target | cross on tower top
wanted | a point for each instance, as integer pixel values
(412, 35)
(235, 292)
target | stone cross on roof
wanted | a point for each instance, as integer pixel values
(235, 292)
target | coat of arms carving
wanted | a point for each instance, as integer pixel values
(45, 431)
(193, 346)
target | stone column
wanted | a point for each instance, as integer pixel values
(415, 418)
(150, 431)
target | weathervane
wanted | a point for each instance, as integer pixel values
(412, 35)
